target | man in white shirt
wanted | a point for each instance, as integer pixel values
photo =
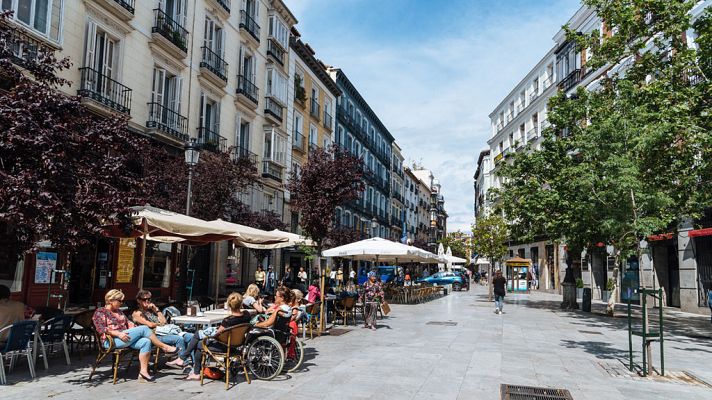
(352, 275)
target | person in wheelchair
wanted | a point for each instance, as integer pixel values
(279, 314)
(236, 317)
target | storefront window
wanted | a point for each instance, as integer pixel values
(11, 273)
(157, 270)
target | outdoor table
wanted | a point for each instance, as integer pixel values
(204, 320)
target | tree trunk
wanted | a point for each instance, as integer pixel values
(610, 307)
(489, 280)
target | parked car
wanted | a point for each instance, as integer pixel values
(390, 273)
(445, 278)
(465, 280)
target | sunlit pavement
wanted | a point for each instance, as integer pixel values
(533, 344)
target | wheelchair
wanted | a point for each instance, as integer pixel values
(269, 351)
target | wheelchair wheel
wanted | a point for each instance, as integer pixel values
(265, 358)
(293, 363)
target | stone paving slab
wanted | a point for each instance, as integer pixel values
(534, 343)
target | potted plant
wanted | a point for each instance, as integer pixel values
(605, 294)
(299, 92)
(579, 288)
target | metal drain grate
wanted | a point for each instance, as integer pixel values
(592, 332)
(514, 392)
(338, 332)
(443, 323)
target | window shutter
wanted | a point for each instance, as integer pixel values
(201, 120)
(90, 44)
(238, 126)
(177, 93)
(217, 118)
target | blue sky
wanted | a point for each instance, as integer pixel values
(434, 70)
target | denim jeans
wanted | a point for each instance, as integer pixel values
(498, 301)
(180, 342)
(138, 339)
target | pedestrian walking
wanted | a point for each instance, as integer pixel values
(287, 278)
(500, 290)
(332, 278)
(270, 281)
(372, 298)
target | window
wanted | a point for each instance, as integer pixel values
(340, 135)
(298, 123)
(42, 16)
(157, 270)
(347, 219)
(247, 64)
(175, 9)
(166, 89)
(279, 31)
(535, 86)
(313, 135)
(275, 147)
(276, 86)
(209, 113)
(213, 38)
(101, 52)
(243, 134)
(11, 270)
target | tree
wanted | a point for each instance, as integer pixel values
(625, 160)
(64, 170)
(489, 238)
(330, 178)
(455, 242)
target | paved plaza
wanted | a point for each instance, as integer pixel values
(408, 357)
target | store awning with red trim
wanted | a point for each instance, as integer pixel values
(661, 236)
(700, 232)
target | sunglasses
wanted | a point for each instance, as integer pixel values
(145, 299)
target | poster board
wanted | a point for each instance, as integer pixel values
(45, 264)
(125, 261)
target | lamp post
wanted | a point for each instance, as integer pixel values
(192, 155)
(374, 225)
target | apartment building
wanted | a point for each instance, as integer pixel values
(313, 97)
(397, 209)
(411, 195)
(360, 131)
(434, 205)
(482, 183)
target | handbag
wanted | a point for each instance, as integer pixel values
(167, 329)
(385, 308)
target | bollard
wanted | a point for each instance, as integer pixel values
(586, 301)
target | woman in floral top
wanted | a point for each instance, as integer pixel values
(111, 321)
(373, 296)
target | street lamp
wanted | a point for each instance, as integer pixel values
(374, 225)
(192, 155)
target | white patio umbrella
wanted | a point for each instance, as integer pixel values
(450, 259)
(247, 235)
(293, 240)
(379, 249)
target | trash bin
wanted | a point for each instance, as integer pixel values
(586, 301)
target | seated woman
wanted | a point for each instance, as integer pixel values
(313, 293)
(149, 315)
(236, 317)
(111, 321)
(280, 308)
(252, 300)
(298, 310)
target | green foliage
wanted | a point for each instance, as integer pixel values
(579, 283)
(637, 147)
(455, 242)
(610, 284)
(489, 237)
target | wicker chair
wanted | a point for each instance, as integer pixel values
(233, 339)
(345, 308)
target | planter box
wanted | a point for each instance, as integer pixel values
(605, 295)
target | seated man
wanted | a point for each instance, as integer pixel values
(148, 314)
(11, 311)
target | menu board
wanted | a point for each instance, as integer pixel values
(125, 263)
(45, 264)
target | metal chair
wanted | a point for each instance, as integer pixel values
(19, 342)
(54, 331)
(233, 339)
(81, 332)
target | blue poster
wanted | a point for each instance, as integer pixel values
(45, 263)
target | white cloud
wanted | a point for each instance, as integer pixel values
(435, 95)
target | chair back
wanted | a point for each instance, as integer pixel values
(234, 336)
(20, 335)
(313, 309)
(348, 302)
(55, 329)
(84, 319)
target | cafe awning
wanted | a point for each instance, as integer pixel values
(700, 232)
(379, 249)
(245, 235)
(293, 240)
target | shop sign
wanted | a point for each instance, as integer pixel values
(125, 263)
(45, 264)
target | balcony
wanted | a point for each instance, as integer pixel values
(314, 108)
(99, 90)
(547, 82)
(213, 66)
(272, 170)
(298, 141)
(25, 48)
(240, 154)
(223, 6)
(274, 110)
(247, 92)
(275, 50)
(167, 121)
(211, 140)
(520, 107)
(169, 33)
(571, 80)
(248, 24)
(123, 9)
(328, 121)
(509, 116)
(533, 95)
(532, 133)
(500, 126)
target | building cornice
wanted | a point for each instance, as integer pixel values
(305, 53)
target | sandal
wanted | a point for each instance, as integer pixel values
(191, 377)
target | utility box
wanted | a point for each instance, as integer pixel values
(586, 301)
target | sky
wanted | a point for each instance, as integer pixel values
(434, 70)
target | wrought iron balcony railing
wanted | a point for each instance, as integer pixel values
(225, 4)
(328, 120)
(170, 29)
(241, 153)
(25, 49)
(248, 23)
(275, 50)
(211, 140)
(533, 133)
(274, 109)
(247, 88)
(129, 5)
(214, 63)
(314, 108)
(168, 121)
(104, 90)
(297, 141)
(571, 80)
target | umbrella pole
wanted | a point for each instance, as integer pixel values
(217, 272)
(143, 256)
(322, 323)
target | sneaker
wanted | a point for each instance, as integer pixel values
(496, 310)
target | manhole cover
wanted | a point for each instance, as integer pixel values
(514, 392)
(592, 332)
(444, 323)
